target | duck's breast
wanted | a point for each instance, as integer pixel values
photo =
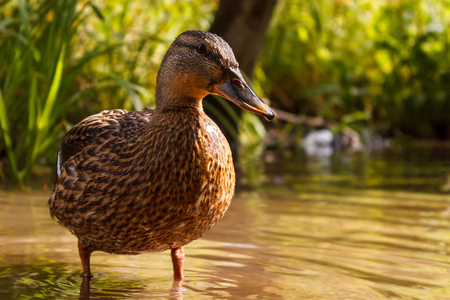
(165, 189)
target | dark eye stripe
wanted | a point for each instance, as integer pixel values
(181, 44)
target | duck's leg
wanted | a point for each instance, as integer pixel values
(85, 256)
(178, 262)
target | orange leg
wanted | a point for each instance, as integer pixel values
(178, 263)
(85, 255)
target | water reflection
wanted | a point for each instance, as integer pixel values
(126, 288)
(325, 231)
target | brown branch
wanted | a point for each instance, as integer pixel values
(306, 120)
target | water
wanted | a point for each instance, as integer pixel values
(340, 227)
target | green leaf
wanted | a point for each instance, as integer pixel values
(7, 140)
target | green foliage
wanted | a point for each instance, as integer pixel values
(36, 78)
(386, 59)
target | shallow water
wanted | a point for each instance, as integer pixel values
(340, 227)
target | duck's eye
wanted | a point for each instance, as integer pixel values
(237, 82)
(201, 48)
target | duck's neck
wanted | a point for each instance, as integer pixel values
(175, 90)
(180, 105)
(172, 112)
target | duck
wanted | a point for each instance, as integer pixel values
(131, 182)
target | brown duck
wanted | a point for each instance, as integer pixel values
(130, 182)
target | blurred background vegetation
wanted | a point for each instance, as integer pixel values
(381, 66)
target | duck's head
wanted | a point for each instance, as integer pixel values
(200, 63)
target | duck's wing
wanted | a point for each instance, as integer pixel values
(99, 129)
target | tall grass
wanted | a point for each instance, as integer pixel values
(38, 78)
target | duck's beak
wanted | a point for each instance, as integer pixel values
(234, 88)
